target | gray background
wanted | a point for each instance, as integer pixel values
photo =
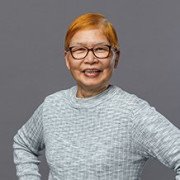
(32, 64)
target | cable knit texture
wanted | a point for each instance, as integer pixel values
(109, 136)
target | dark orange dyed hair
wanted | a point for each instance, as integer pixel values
(92, 21)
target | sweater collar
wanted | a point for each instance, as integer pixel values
(90, 101)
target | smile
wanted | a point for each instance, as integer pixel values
(92, 72)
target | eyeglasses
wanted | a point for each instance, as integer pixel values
(99, 51)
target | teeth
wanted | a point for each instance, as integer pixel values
(91, 71)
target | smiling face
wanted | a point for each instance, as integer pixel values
(91, 73)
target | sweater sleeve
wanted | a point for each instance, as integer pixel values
(158, 136)
(27, 143)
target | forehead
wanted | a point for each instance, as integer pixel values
(89, 37)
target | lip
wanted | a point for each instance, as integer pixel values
(91, 69)
(95, 74)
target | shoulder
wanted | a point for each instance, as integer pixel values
(143, 114)
(129, 99)
(58, 96)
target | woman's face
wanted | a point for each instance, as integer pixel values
(90, 72)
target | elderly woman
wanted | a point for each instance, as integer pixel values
(94, 130)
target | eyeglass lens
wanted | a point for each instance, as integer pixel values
(80, 52)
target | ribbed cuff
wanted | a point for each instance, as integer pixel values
(29, 177)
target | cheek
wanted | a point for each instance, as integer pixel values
(74, 68)
(109, 65)
(71, 65)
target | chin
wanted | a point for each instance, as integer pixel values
(91, 84)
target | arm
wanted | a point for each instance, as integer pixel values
(27, 144)
(159, 137)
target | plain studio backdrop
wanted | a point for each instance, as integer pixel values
(32, 64)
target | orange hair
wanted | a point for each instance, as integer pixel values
(92, 21)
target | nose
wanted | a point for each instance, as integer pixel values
(90, 58)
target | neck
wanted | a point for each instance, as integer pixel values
(83, 92)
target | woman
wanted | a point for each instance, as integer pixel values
(94, 130)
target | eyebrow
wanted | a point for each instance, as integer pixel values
(94, 44)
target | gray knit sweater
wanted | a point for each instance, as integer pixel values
(109, 136)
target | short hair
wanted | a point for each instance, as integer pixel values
(92, 21)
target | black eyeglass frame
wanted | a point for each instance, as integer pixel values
(92, 49)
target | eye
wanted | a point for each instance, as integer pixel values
(78, 50)
(101, 49)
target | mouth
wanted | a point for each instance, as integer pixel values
(92, 72)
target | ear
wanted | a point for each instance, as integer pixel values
(66, 59)
(117, 59)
